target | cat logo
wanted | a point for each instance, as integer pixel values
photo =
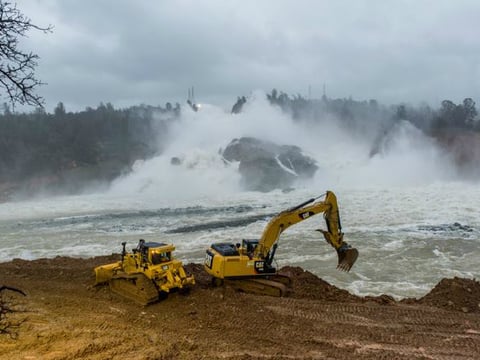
(259, 266)
(209, 259)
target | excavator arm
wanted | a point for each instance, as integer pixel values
(333, 235)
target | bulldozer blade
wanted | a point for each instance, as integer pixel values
(346, 258)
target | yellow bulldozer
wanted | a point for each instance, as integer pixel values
(145, 275)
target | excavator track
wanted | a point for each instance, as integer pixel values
(284, 279)
(258, 286)
(135, 287)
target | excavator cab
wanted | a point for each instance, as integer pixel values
(249, 246)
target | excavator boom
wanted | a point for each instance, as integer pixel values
(333, 235)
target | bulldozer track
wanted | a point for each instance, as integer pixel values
(135, 287)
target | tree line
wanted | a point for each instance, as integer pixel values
(361, 115)
(104, 139)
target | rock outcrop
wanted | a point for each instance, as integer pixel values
(265, 166)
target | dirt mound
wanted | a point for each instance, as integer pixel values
(309, 286)
(456, 294)
(202, 278)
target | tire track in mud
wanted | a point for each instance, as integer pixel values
(407, 315)
(391, 327)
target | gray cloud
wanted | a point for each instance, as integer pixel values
(128, 52)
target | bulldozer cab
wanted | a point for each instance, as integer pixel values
(154, 253)
(158, 256)
(159, 253)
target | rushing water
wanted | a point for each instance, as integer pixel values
(411, 219)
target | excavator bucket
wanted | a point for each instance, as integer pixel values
(346, 258)
(346, 254)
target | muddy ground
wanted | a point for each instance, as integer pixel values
(64, 317)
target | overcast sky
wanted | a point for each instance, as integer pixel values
(144, 51)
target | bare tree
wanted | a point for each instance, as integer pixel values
(17, 67)
(6, 326)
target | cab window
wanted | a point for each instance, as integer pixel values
(160, 257)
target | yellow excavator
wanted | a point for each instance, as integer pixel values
(248, 266)
(145, 275)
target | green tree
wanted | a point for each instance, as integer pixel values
(470, 112)
(59, 110)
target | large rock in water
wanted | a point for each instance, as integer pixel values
(265, 166)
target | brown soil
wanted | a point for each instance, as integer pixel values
(64, 317)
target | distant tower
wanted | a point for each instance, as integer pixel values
(191, 95)
(309, 92)
(324, 96)
(191, 99)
